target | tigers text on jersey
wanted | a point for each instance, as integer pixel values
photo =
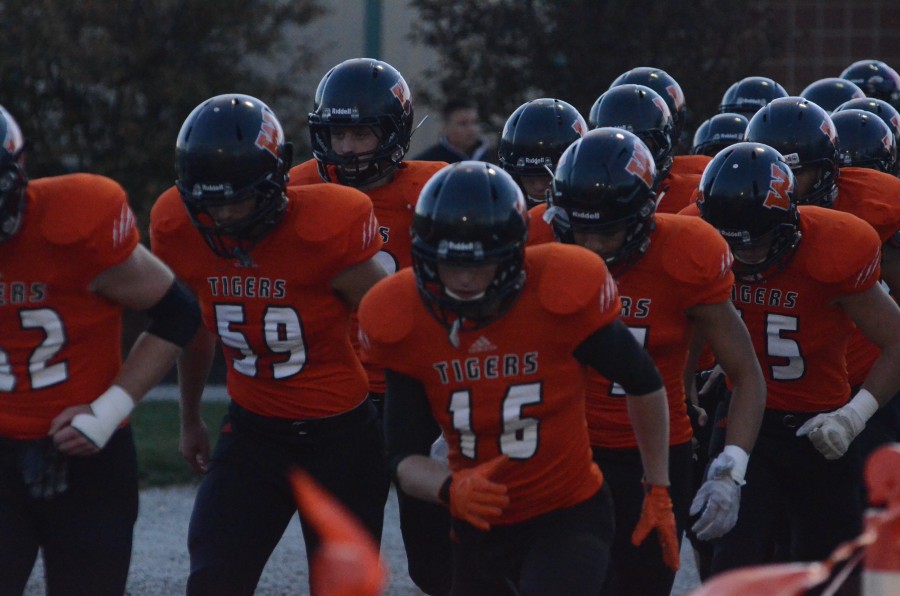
(800, 335)
(284, 331)
(873, 197)
(512, 387)
(394, 204)
(60, 343)
(687, 264)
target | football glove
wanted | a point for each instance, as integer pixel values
(831, 433)
(474, 498)
(656, 513)
(718, 500)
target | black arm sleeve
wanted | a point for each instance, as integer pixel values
(409, 427)
(614, 353)
(176, 317)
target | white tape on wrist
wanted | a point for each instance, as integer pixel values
(740, 458)
(109, 410)
(864, 404)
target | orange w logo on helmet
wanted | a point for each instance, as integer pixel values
(640, 165)
(779, 186)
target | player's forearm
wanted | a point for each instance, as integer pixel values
(421, 477)
(147, 363)
(194, 366)
(650, 418)
(748, 403)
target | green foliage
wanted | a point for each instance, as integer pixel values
(156, 433)
(502, 53)
(103, 87)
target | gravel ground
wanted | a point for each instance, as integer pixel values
(159, 565)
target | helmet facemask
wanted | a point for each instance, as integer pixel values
(461, 314)
(235, 240)
(358, 169)
(782, 240)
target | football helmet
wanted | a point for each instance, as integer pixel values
(13, 179)
(469, 214)
(535, 136)
(804, 135)
(604, 183)
(667, 88)
(748, 95)
(362, 92)
(866, 141)
(640, 110)
(831, 92)
(888, 114)
(718, 132)
(747, 194)
(876, 79)
(231, 151)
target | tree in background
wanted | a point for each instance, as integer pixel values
(104, 86)
(502, 53)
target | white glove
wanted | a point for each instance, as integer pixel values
(833, 432)
(720, 496)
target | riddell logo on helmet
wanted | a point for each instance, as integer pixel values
(534, 161)
(742, 235)
(585, 215)
(755, 101)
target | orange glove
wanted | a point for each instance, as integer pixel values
(657, 514)
(474, 498)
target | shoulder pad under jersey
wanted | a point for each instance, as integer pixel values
(327, 210)
(569, 277)
(387, 311)
(695, 253)
(840, 246)
(871, 196)
(80, 207)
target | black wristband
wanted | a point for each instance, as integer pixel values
(444, 491)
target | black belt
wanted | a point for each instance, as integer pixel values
(241, 416)
(786, 419)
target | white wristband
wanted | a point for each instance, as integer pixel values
(864, 404)
(740, 458)
(109, 410)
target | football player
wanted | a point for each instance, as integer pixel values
(71, 260)
(865, 141)
(491, 341)
(278, 271)
(641, 110)
(667, 88)
(533, 139)
(718, 132)
(879, 107)
(805, 276)
(360, 129)
(674, 278)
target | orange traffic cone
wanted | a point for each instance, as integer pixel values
(881, 571)
(347, 562)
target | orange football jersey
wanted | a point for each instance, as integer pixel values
(283, 329)
(513, 386)
(873, 197)
(687, 264)
(394, 204)
(60, 343)
(539, 231)
(675, 192)
(799, 334)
